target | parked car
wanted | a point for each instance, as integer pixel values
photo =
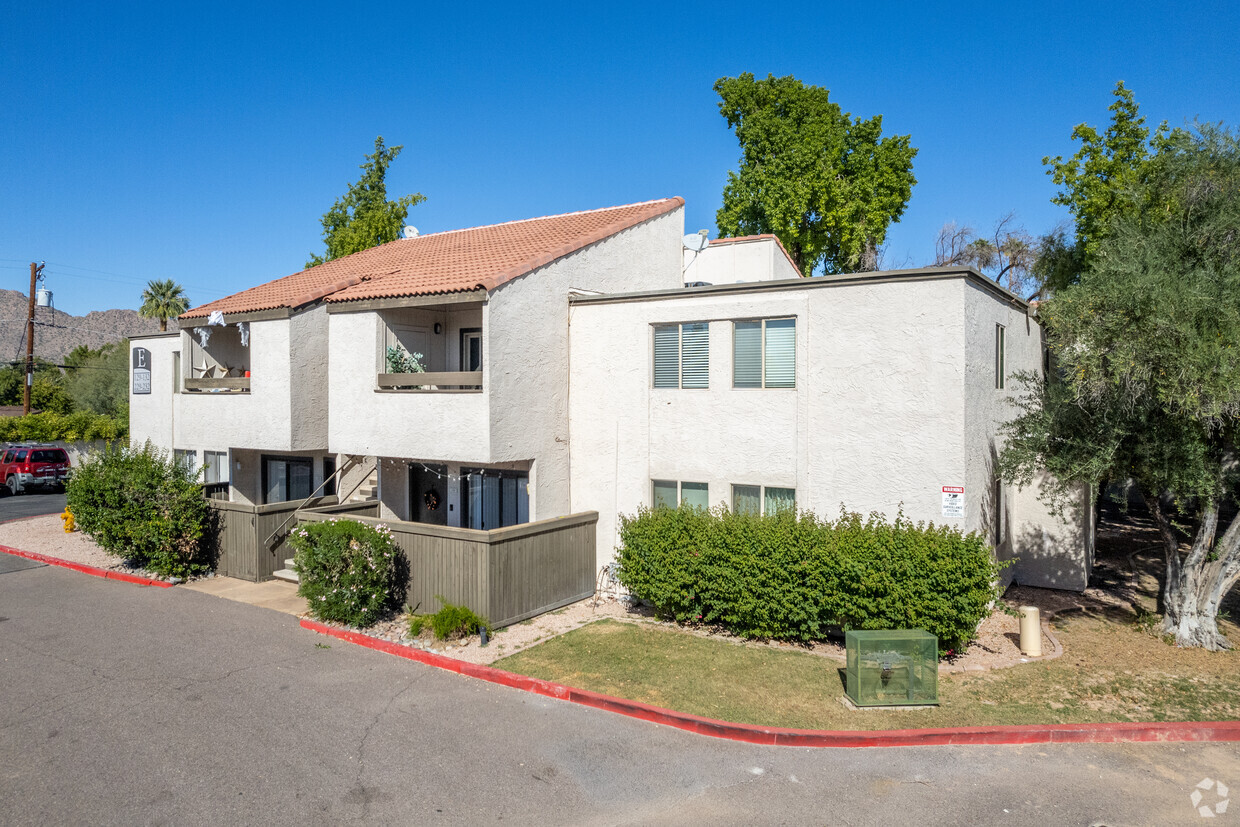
(26, 467)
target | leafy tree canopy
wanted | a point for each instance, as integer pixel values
(364, 217)
(826, 184)
(97, 380)
(163, 300)
(1147, 348)
(1097, 182)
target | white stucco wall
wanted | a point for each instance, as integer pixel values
(152, 415)
(1050, 550)
(730, 262)
(527, 355)
(876, 419)
(429, 426)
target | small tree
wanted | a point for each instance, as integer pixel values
(139, 504)
(1009, 256)
(364, 217)
(163, 300)
(827, 185)
(1147, 386)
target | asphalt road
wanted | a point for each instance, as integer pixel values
(29, 504)
(122, 704)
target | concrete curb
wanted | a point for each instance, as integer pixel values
(775, 736)
(84, 569)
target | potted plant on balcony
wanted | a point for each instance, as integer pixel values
(400, 360)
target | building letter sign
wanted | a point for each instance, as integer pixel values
(141, 370)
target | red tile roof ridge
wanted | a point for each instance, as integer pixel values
(680, 202)
(386, 268)
(760, 237)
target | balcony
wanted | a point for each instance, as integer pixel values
(222, 365)
(431, 350)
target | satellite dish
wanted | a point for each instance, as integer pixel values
(410, 231)
(696, 242)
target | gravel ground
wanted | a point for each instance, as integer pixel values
(46, 535)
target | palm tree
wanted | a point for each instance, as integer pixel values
(163, 300)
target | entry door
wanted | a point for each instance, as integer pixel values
(428, 494)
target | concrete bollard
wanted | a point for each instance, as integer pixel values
(1030, 631)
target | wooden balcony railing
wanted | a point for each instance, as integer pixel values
(452, 381)
(229, 384)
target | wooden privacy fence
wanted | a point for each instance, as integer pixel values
(506, 574)
(247, 548)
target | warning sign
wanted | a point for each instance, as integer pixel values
(953, 501)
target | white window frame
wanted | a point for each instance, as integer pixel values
(680, 490)
(763, 382)
(762, 489)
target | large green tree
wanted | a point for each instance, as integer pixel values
(97, 379)
(163, 299)
(364, 217)
(1147, 381)
(826, 184)
(1096, 185)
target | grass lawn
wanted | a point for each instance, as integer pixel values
(1112, 670)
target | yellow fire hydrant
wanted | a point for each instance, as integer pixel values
(67, 516)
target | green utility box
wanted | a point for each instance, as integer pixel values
(892, 667)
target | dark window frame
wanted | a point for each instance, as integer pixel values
(288, 459)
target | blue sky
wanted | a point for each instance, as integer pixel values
(144, 141)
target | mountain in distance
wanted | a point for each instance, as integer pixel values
(57, 333)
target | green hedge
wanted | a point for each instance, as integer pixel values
(139, 504)
(794, 576)
(350, 572)
(82, 426)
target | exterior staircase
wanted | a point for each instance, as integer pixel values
(288, 573)
(368, 489)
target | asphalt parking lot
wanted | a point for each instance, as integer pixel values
(29, 504)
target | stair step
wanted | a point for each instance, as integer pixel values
(287, 575)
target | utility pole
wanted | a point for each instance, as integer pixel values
(36, 272)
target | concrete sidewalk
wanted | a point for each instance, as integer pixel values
(273, 594)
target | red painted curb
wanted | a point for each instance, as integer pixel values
(776, 736)
(84, 569)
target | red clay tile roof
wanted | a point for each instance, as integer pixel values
(743, 238)
(447, 262)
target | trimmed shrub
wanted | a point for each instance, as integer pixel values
(350, 572)
(794, 576)
(80, 426)
(456, 621)
(139, 504)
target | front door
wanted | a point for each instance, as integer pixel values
(428, 493)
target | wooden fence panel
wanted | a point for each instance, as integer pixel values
(506, 574)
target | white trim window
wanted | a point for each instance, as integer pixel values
(186, 457)
(214, 467)
(764, 353)
(672, 494)
(757, 499)
(682, 355)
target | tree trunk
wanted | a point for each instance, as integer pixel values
(1196, 584)
(163, 325)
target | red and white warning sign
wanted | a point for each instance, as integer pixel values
(953, 501)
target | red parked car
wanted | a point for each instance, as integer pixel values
(34, 466)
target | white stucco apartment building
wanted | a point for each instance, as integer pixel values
(568, 368)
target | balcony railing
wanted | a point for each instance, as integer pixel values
(228, 384)
(448, 382)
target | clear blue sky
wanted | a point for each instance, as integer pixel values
(151, 141)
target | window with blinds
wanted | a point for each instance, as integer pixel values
(1000, 368)
(682, 355)
(764, 353)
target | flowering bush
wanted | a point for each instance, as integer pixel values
(350, 572)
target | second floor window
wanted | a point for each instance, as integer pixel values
(764, 354)
(682, 355)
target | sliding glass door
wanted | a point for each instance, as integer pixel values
(494, 498)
